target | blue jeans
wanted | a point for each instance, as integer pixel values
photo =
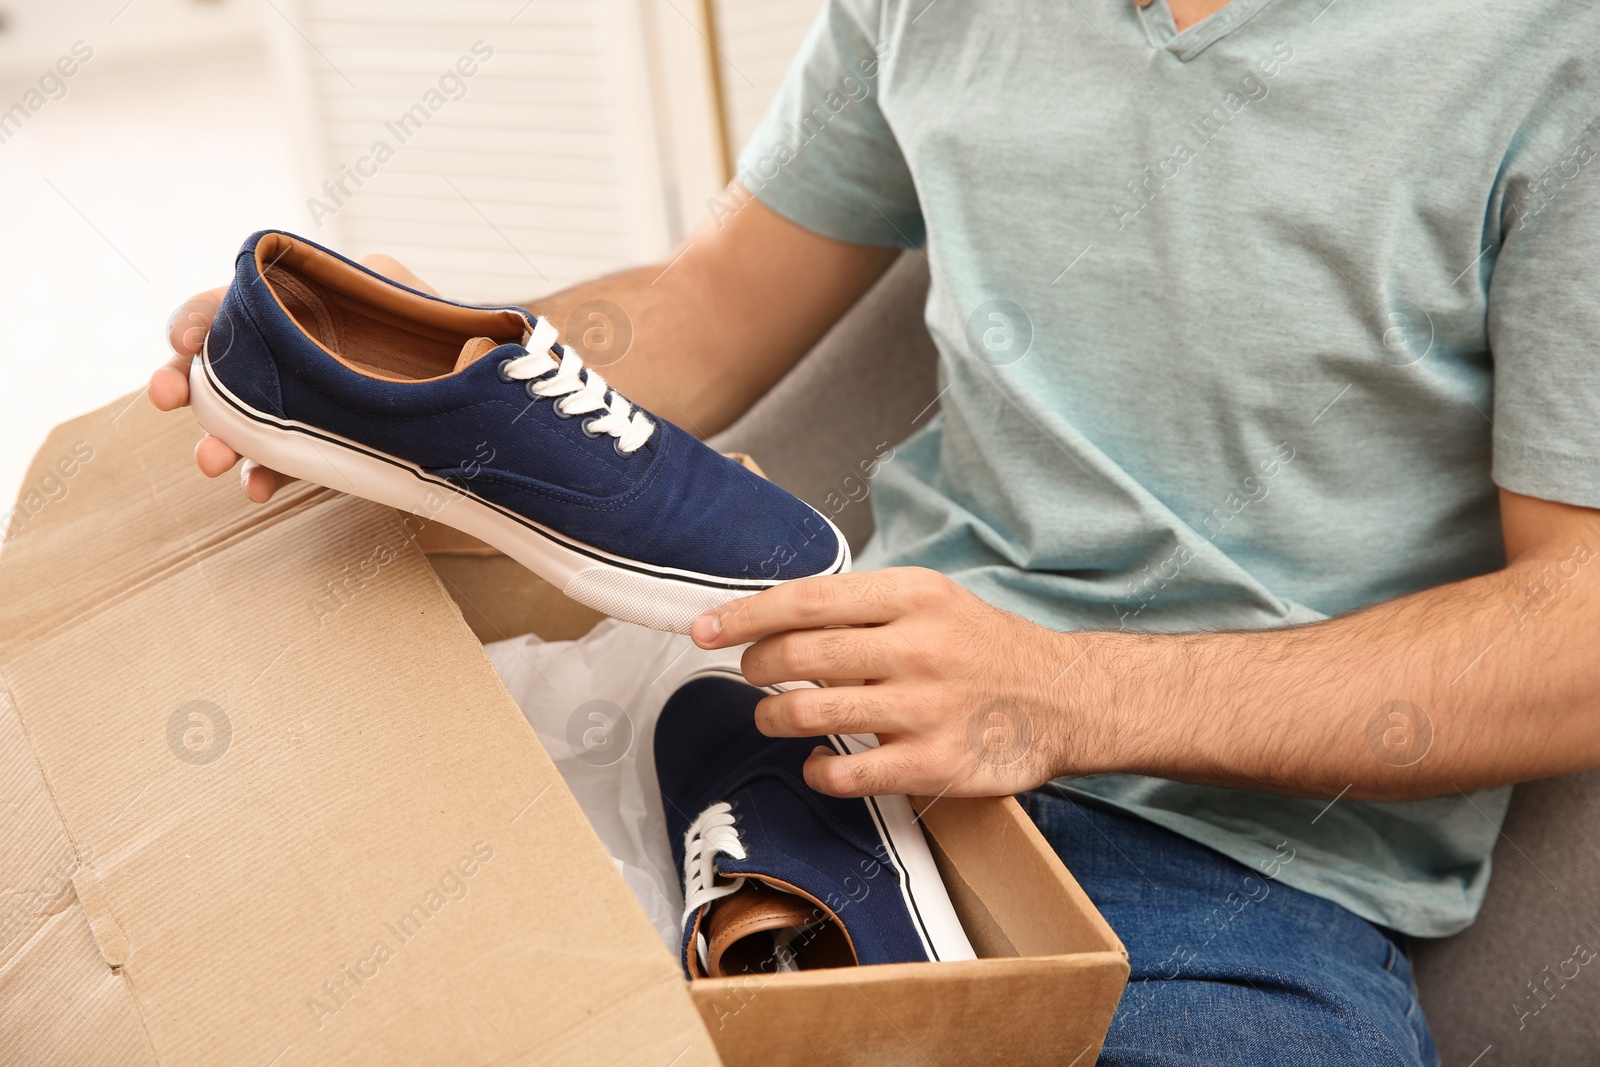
(1228, 966)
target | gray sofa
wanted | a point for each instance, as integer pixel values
(1518, 988)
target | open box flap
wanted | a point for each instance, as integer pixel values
(264, 768)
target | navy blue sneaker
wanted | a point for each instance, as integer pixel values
(779, 877)
(477, 417)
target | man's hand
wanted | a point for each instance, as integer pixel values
(960, 694)
(169, 385)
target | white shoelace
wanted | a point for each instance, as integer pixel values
(710, 835)
(582, 390)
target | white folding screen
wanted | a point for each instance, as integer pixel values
(756, 40)
(507, 148)
(500, 148)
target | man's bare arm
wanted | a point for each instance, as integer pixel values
(731, 311)
(1474, 684)
(1478, 683)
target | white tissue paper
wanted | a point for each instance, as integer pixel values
(594, 703)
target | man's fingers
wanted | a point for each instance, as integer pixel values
(186, 332)
(862, 599)
(259, 483)
(169, 385)
(186, 329)
(846, 653)
(213, 457)
(875, 772)
(817, 712)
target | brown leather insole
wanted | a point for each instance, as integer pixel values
(815, 947)
(743, 931)
(373, 328)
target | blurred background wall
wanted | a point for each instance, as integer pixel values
(500, 148)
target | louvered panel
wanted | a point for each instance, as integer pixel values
(488, 149)
(563, 106)
(536, 248)
(550, 13)
(463, 264)
(552, 197)
(758, 39)
(558, 57)
(526, 182)
(569, 218)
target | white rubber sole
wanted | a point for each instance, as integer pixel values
(925, 895)
(661, 598)
(920, 886)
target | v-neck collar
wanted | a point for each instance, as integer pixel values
(1163, 31)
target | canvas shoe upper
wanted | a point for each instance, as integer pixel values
(777, 876)
(477, 417)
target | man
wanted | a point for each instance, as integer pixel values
(1254, 544)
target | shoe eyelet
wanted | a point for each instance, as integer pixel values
(528, 389)
(556, 407)
(616, 446)
(501, 370)
(588, 429)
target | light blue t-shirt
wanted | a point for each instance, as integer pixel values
(1239, 327)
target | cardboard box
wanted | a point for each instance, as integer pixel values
(268, 803)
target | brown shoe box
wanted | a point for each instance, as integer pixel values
(266, 802)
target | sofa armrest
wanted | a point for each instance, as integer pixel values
(1517, 979)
